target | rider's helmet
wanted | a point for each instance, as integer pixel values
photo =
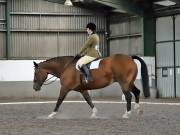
(91, 26)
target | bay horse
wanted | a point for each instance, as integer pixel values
(119, 68)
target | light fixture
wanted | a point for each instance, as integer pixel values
(68, 3)
(165, 3)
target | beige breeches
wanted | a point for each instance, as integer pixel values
(84, 60)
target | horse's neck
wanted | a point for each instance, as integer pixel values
(56, 68)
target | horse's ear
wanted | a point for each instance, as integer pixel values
(35, 64)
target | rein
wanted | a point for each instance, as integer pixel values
(68, 64)
(48, 80)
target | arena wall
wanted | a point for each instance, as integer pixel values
(16, 81)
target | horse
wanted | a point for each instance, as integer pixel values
(119, 68)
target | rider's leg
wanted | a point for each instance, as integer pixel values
(87, 72)
(82, 64)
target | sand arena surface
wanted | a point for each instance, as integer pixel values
(74, 119)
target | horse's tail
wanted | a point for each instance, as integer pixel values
(144, 75)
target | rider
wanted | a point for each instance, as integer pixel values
(90, 50)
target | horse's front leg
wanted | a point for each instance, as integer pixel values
(62, 95)
(89, 101)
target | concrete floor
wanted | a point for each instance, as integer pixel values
(74, 119)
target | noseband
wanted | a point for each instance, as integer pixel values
(46, 81)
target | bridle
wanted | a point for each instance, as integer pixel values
(46, 81)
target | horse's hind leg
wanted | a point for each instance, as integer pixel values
(128, 97)
(136, 93)
(89, 101)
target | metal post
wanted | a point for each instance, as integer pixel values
(174, 45)
(155, 44)
(8, 34)
(107, 35)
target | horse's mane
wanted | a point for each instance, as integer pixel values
(59, 59)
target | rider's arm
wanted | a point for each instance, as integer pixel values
(87, 44)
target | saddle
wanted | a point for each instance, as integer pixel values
(92, 65)
(85, 69)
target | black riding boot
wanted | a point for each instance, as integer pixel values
(85, 69)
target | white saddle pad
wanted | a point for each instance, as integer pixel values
(94, 64)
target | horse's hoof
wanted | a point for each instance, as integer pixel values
(50, 116)
(126, 115)
(140, 112)
(93, 116)
(123, 97)
(136, 106)
(94, 110)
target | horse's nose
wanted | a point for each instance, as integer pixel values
(36, 87)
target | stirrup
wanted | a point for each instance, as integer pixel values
(85, 80)
(89, 78)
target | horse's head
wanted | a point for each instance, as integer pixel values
(40, 76)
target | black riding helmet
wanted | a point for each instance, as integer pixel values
(91, 26)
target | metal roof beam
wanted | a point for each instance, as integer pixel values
(124, 6)
(56, 1)
(176, 1)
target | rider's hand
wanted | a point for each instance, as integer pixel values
(77, 56)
